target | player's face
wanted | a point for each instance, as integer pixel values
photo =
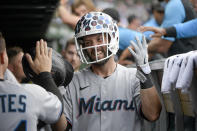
(5, 60)
(70, 54)
(17, 66)
(93, 40)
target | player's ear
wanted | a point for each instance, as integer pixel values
(2, 58)
(63, 53)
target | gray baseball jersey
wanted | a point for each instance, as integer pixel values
(93, 103)
(22, 105)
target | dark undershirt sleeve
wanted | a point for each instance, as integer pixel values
(170, 32)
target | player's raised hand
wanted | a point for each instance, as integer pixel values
(43, 59)
(140, 54)
(159, 32)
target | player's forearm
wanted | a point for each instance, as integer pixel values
(60, 125)
(151, 106)
(158, 45)
(124, 54)
(67, 17)
(125, 62)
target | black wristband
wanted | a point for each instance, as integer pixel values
(148, 83)
(170, 32)
(145, 80)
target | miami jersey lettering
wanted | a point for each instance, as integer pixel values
(95, 104)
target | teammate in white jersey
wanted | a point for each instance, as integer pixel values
(21, 105)
(107, 96)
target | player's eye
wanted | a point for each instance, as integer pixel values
(87, 43)
(70, 53)
(100, 39)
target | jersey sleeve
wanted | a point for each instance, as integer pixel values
(67, 100)
(49, 106)
(176, 17)
(135, 84)
(187, 29)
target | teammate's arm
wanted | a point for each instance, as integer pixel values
(150, 103)
(158, 45)
(181, 30)
(66, 16)
(42, 66)
(122, 60)
(60, 125)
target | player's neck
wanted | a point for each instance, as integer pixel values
(105, 70)
(1, 75)
(19, 80)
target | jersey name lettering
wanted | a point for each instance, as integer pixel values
(12, 103)
(108, 105)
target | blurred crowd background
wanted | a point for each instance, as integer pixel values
(58, 32)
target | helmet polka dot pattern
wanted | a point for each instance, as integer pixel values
(101, 17)
(95, 17)
(100, 22)
(93, 21)
(113, 34)
(98, 27)
(87, 28)
(105, 26)
(115, 28)
(89, 16)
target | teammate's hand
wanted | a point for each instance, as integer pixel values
(140, 54)
(159, 32)
(43, 58)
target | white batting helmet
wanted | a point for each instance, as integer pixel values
(96, 23)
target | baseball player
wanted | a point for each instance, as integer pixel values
(21, 105)
(107, 96)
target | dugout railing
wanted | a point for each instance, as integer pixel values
(176, 105)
